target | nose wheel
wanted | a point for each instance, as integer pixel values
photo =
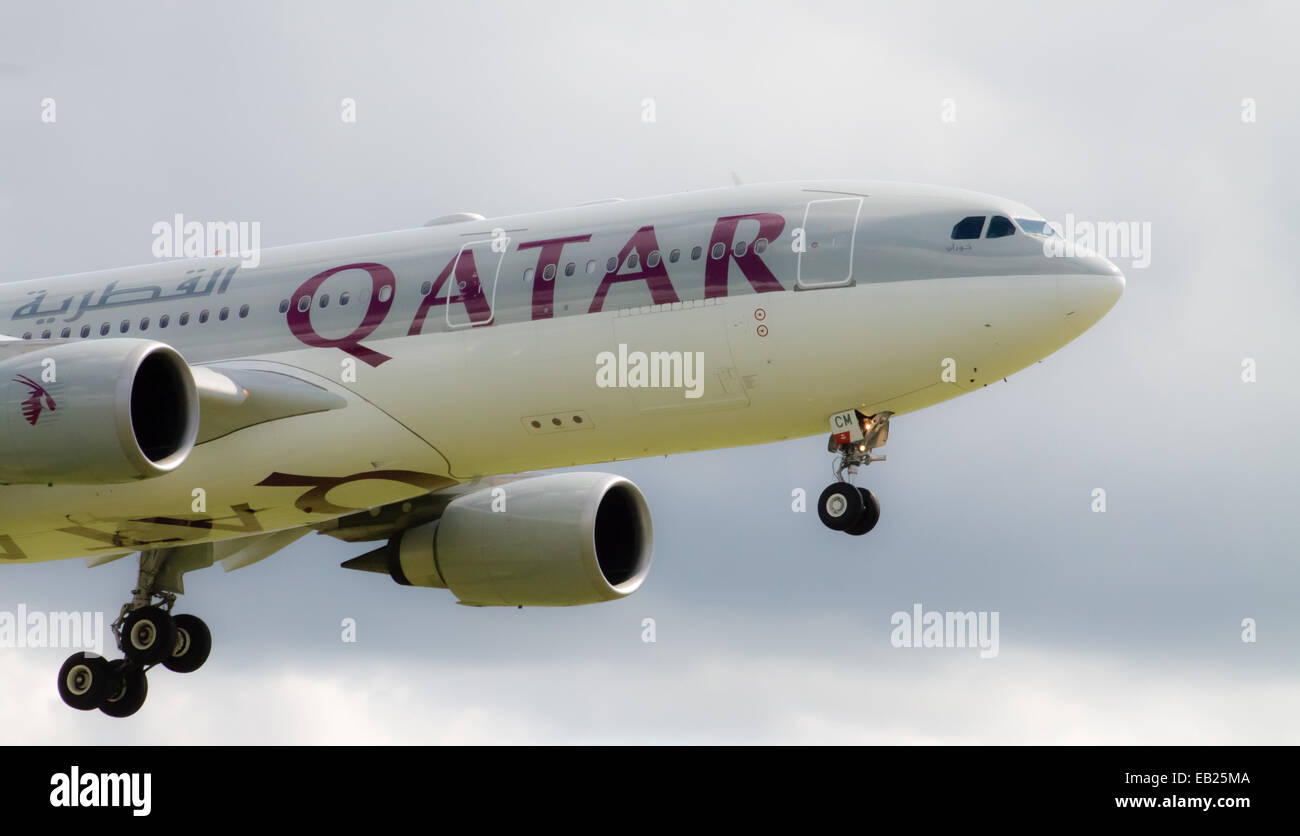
(844, 506)
(840, 506)
(848, 508)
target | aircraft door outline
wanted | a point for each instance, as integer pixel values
(493, 251)
(826, 259)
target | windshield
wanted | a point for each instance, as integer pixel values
(1035, 227)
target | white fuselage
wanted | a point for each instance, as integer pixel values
(471, 349)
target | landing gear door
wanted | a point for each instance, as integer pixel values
(826, 258)
(470, 290)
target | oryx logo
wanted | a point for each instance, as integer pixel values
(32, 404)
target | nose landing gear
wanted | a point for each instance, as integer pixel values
(843, 506)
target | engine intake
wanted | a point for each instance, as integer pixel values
(97, 412)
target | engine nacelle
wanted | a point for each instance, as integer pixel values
(95, 412)
(545, 541)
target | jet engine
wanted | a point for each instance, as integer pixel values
(95, 412)
(543, 541)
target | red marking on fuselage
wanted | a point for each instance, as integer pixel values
(32, 405)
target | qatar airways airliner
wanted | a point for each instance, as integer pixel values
(386, 387)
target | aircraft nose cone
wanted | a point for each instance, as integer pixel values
(1086, 297)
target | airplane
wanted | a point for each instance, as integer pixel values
(405, 388)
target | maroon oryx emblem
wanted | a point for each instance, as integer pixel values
(32, 405)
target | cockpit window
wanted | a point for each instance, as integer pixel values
(1000, 227)
(968, 227)
(1034, 227)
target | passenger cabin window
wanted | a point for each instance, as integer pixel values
(695, 253)
(103, 330)
(65, 333)
(163, 320)
(968, 228)
(1000, 227)
(284, 306)
(85, 331)
(243, 310)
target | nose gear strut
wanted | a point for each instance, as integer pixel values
(843, 507)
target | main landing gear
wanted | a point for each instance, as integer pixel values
(843, 506)
(148, 635)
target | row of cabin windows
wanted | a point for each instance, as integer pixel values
(652, 260)
(125, 325)
(999, 227)
(304, 302)
(966, 228)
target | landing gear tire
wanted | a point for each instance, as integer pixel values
(192, 646)
(839, 506)
(869, 516)
(84, 681)
(148, 635)
(128, 689)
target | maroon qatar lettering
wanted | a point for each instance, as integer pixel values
(544, 289)
(717, 271)
(300, 318)
(656, 277)
(467, 289)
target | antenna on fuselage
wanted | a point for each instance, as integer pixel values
(454, 218)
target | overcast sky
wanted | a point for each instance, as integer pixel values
(1123, 626)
